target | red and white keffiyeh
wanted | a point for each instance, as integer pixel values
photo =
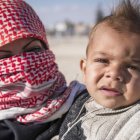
(31, 82)
(31, 87)
(19, 20)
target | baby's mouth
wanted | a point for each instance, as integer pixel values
(110, 91)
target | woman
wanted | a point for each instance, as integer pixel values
(33, 93)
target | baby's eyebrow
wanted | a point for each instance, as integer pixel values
(101, 53)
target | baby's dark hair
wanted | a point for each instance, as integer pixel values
(124, 18)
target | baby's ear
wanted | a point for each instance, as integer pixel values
(83, 68)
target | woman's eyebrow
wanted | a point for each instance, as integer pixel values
(5, 51)
(24, 47)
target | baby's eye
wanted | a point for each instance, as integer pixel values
(132, 67)
(101, 60)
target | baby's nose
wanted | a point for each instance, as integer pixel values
(115, 74)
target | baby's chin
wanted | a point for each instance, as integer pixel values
(114, 106)
(110, 105)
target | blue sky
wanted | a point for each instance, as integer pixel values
(53, 11)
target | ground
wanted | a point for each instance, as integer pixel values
(69, 51)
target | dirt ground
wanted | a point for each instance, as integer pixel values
(69, 51)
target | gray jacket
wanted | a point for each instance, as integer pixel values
(90, 122)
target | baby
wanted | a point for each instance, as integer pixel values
(111, 72)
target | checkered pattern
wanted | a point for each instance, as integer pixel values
(19, 20)
(32, 68)
(29, 81)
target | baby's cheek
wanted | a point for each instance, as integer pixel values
(134, 85)
(92, 82)
(93, 75)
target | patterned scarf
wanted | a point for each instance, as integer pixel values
(31, 87)
(19, 20)
(31, 83)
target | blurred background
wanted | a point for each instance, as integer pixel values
(68, 23)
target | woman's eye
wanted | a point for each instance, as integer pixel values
(5, 56)
(37, 49)
(101, 60)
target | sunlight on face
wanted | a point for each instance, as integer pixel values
(112, 68)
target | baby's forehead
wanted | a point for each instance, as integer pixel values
(105, 35)
(105, 28)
